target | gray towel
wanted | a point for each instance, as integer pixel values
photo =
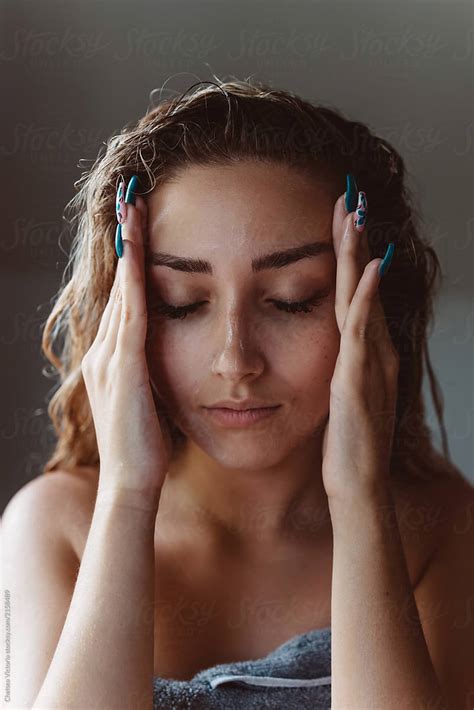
(297, 674)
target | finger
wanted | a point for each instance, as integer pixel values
(365, 322)
(339, 216)
(109, 340)
(351, 262)
(108, 331)
(134, 227)
(142, 207)
(352, 255)
(106, 315)
(133, 321)
(376, 328)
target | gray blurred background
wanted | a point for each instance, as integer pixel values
(74, 73)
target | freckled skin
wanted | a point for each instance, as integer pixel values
(238, 344)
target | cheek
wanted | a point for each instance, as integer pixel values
(175, 362)
(308, 354)
(180, 354)
(308, 366)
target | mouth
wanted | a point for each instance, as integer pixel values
(238, 418)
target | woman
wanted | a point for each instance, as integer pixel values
(228, 256)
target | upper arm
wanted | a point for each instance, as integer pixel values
(39, 572)
(445, 602)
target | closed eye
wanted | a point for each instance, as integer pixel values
(294, 308)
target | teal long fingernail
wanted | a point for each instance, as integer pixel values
(118, 241)
(361, 212)
(387, 260)
(132, 186)
(351, 193)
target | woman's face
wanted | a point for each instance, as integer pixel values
(237, 343)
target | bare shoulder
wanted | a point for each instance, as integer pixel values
(63, 500)
(426, 513)
(455, 501)
(39, 567)
(77, 492)
(431, 505)
(444, 594)
(44, 491)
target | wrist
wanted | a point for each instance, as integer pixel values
(374, 512)
(146, 502)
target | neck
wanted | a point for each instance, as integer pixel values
(252, 508)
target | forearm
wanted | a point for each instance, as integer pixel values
(379, 654)
(104, 657)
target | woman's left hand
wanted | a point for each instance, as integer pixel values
(357, 440)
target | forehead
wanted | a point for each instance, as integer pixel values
(243, 205)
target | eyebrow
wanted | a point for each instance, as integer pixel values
(275, 260)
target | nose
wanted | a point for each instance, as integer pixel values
(236, 348)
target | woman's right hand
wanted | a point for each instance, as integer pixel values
(133, 441)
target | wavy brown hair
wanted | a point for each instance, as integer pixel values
(221, 123)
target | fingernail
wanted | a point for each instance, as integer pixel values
(132, 186)
(118, 241)
(361, 212)
(387, 260)
(120, 206)
(351, 193)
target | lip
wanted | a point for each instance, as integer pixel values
(240, 404)
(238, 418)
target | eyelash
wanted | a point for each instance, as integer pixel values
(293, 308)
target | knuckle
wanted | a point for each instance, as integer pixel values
(395, 353)
(129, 314)
(347, 223)
(393, 361)
(126, 365)
(342, 388)
(339, 302)
(86, 362)
(115, 366)
(94, 363)
(133, 231)
(357, 331)
(101, 363)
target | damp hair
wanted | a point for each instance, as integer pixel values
(222, 123)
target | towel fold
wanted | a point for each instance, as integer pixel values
(296, 675)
